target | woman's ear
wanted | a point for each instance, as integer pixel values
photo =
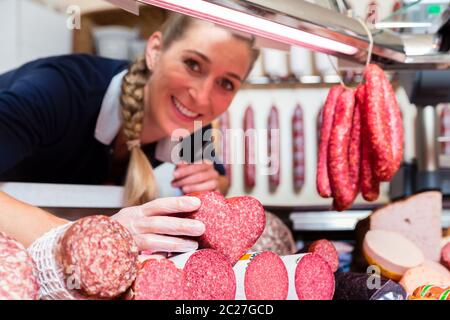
(153, 50)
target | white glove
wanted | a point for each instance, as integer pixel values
(155, 231)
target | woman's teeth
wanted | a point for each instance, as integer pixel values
(183, 110)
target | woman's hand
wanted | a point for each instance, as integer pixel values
(153, 228)
(196, 177)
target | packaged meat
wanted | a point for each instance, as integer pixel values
(232, 226)
(18, 280)
(393, 253)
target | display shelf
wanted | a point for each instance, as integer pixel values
(338, 221)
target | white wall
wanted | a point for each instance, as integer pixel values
(28, 31)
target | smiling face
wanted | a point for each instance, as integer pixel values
(194, 79)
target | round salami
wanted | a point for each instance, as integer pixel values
(17, 271)
(266, 278)
(159, 280)
(209, 275)
(310, 277)
(99, 255)
(327, 251)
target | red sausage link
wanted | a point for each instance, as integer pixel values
(370, 187)
(224, 123)
(354, 151)
(338, 161)
(322, 178)
(377, 124)
(298, 149)
(249, 142)
(274, 144)
(395, 126)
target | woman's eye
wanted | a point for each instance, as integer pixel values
(192, 64)
(227, 84)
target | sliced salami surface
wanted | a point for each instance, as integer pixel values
(261, 276)
(159, 280)
(327, 251)
(232, 225)
(101, 255)
(18, 279)
(209, 276)
(310, 277)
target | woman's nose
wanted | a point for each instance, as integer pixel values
(201, 93)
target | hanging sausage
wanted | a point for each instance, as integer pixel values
(273, 143)
(249, 146)
(298, 142)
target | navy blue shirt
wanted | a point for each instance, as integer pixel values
(48, 114)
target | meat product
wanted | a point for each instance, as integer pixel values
(18, 279)
(274, 144)
(378, 130)
(418, 218)
(92, 258)
(224, 125)
(249, 146)
(101, 254)
(327, 251)
(310, 277)
(354, 153)
(431, 292)
(298, 152)
(393, 253)
(445, 255)
(209, 275)
(261, 276)
(328, 110)
(354, 286)
(370, 187)
(159, 280)
(276, 237)
(423, 275)
(338, 148)
(232, 226)
(395, 125)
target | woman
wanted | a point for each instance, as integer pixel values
(83, 119)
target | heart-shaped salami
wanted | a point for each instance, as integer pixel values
(232, 225)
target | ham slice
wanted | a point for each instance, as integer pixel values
(418, 218)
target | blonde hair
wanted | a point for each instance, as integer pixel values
(140, 182)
